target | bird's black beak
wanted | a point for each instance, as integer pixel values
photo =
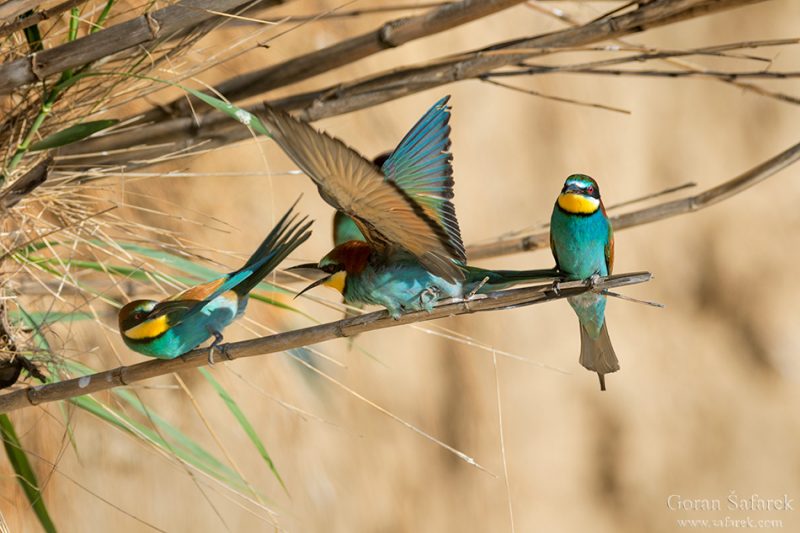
(307, 266)
(314, 284)
(310, 270)
(572, 189)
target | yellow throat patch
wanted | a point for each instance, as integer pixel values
(337, 281)
(578, 204)
(149, 329)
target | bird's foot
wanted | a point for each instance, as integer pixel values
(396, 311)
(592, 280)
(556, 287)
(428, 297)
(217, 346)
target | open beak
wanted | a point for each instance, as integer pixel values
(310, 270)
(311, 266)
(314, 284)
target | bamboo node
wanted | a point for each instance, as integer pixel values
(37, 67)
(152, 24)
(385, 35)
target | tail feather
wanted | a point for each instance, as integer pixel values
(501, 279)
(288, 234)
(597, 354)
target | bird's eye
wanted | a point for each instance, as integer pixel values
(590, 189)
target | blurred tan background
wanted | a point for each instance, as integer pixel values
(707, 401)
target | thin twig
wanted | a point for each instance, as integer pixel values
(348, 327)
(350, 13)
(720, 74)
(660, 211)
(37, 16)
(683, 63)
(556, 98)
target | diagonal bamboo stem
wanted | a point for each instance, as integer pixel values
(27, 183)
(125, 375)
(148, 28)
(389, 35)
(215, 129)
(35, 18)
(378, 89)
(657, 212)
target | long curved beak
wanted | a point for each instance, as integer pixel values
(314, 284)
(312, 266)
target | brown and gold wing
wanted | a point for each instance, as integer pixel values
(198, 292)
(386, 215)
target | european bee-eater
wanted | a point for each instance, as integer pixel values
(411, 254)
(583, 246)
(180, 323)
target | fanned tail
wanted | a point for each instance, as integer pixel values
(288, 234)
(597, 354)
(501, 279)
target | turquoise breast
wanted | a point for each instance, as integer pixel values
(579, 243)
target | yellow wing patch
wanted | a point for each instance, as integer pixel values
(149, 329)
(575, 203)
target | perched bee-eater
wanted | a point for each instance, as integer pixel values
(180, 323)
(583, 246)
(411, 254)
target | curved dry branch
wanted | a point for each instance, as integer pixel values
(660, 211)
(389, 35)
(215, 129)
(148, 28)
(38, 16)
(125, 375)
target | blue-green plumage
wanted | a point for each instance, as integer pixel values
(583, 246)
(185, 320)
(400, 285)
(213, 317)
(370, 269)
(579, 246)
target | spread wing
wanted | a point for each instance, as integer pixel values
(387, 215)
(421, 165)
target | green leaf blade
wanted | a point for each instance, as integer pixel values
(25, 474)
(72, 134)
(248, 428)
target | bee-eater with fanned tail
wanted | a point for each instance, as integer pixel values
(583, 246)
(411, 255)
(180, 323)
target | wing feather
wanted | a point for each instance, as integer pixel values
(386, 215)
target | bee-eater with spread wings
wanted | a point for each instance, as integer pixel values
(411, 254)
